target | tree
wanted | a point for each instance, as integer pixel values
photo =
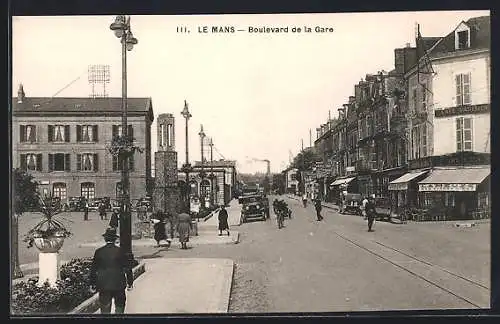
(24, 197)
(305, 161)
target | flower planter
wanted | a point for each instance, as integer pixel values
(50, 244)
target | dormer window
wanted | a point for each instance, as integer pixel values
(462, 37)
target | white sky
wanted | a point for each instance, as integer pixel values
(257, 95)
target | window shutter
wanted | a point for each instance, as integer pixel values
(22, 133)
(78, 133)
(51, 133)
(23, 162)
(78, 162)
(115, 163)
(33, 133)
(95, 129)
(39, 162)
(51, 162)
(131, 163)
(115, 131)
(96, 162)
(66, 133)
(130, 132)
(67, 162)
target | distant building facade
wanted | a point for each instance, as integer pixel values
(63, 143)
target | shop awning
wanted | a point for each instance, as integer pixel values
(457, 179)
(343, 181)
(401, 183)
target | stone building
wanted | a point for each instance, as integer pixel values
(63, 143)
(223, 183)
(449, 109)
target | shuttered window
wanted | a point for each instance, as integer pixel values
(117, 131)
(59, 133)
(31, 162)
(87, 133)
(27, 133)
(59, 162)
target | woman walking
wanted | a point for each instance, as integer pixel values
(159, 227)
(223, 225)
(113, 222)
(184, 226)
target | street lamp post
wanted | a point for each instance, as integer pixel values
(202, 172)
(212, 176)
(186, 114)
(122, 30)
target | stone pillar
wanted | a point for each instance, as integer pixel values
(166, 196)
(48, 268)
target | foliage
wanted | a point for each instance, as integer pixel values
(123, 146)
(49, 206)
(70, 291)
(24, 189)
(305, 160)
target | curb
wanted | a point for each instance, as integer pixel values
(91, 305)
(223, 306)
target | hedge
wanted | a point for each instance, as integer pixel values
(72, 289)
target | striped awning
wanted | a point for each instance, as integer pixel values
(401, 183)
(343, 181)
(454, 179)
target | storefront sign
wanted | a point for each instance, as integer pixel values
(44, 182)
(398, 186)
(447, 187)
(350, 169)
(461, 110)
(455, 159)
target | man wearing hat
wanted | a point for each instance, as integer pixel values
(110, 274)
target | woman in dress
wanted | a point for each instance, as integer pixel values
(159, 227)
(113, 222)
(184, 226)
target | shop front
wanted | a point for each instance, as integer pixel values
(404, 190)
(340, 185)
(457, 193)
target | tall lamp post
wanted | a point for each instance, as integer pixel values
(187, 167)
(202, 172)
(122, 30)
(212, 175)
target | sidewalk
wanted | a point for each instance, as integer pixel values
(207, 232)
(173, 286)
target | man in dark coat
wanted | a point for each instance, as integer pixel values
(370, 213)
(110, 274)
(223, 225)
(317, 205)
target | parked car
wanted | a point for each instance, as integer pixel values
(76, 203)
(383, 208)
(115, 205)
(351, 204)
(94, 204)
(145, 202)
(253, 207)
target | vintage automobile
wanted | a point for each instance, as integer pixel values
(94, 204)
(383, 208)
(253, 207)
(351, 204)
(76, 203)
(145, 202)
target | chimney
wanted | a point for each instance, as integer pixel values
(20, 94)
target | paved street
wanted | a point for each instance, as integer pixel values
(335, 265)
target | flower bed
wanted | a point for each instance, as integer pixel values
(72, 289)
